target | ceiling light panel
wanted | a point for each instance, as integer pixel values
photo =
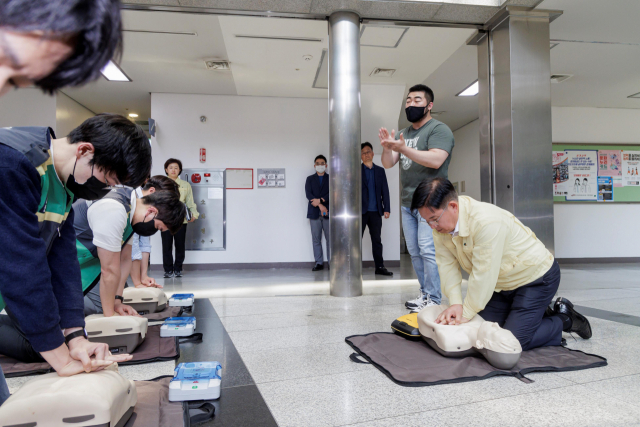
(382, 36)
(277, 38)
(113, 73)
(471, 90)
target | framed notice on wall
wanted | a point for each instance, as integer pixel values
(239, 179)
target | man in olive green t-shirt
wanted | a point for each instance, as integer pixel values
(424, 151)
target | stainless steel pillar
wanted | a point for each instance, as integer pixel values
(345, 198)
(515, 116)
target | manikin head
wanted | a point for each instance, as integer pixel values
(492, 337)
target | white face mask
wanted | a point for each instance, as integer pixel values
(321, 168)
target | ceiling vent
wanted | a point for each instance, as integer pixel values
(559, 78)
(382, 72)
(217, 65)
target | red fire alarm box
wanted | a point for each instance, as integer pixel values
(195, 178)
(203, 155)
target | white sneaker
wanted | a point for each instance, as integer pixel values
(416, 302)
(425, 303)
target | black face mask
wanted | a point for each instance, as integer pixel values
(93, 189)
(145, 229)
(415, 114)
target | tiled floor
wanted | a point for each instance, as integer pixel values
(290, 335)
(280, 338)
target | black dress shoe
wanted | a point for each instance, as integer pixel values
(579, 324)
(549, 311)
(318, 267)
(383, 271)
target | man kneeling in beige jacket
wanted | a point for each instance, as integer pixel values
(512, 276)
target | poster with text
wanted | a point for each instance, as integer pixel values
(583, 175)
(560, 173)
(630, 168)
(605, 189)
(610, 164)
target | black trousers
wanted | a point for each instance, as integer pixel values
(167, 249)
(521, 311)
(374, 221)
(14, 343)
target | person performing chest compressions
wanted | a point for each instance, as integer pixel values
(104, 230)
(512, 276)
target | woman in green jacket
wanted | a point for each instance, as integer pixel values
(173, 169)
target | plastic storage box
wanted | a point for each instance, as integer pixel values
(195, 381)
(178, 327)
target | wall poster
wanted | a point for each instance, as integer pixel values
(583, 175)
(605, 189)
(630, 168)
(610, 164)
(560, 173)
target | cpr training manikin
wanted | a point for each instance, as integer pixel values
(499, 346)
(103, 398)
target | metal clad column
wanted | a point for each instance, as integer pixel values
(515, 116)
(345, 198)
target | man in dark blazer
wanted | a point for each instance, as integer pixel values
(375, 204)
(317, 191)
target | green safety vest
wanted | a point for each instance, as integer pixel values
(55, 200)
(88, 252)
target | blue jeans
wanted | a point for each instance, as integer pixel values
(4, 389)
(419, 238)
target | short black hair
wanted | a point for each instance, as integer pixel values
(161, 183)
(121, 147)
(172, 160)
(94, 26)
(171, 210)
(434, 193)
(366, 144)
(422, 88)
(320, 156)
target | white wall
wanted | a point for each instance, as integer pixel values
(263, 225)
(69, 114)
(27, 107)
(581, 230)
(465, 159)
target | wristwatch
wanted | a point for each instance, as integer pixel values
(76, 334)
(121, 298)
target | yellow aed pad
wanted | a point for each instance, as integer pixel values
(407, 326)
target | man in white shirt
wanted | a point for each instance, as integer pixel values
(104, 230)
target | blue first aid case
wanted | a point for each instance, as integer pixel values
(181, 300)
(195, 381)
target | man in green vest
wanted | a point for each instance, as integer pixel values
(40, 282)
(53, 44)
(104, 231)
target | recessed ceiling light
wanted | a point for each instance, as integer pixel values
(113, 73)
(133, 115)
(471, 90)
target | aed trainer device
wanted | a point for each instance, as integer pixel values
(178, 327)
(195, 381)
